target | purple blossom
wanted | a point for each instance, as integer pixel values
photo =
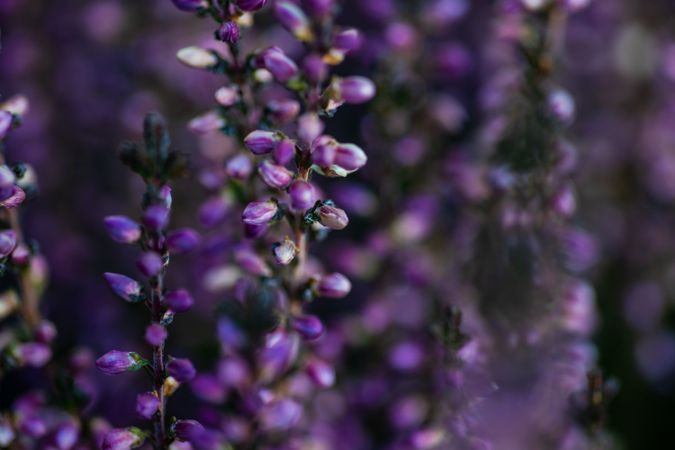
(181, 369)
(126, 288)
(115, 362)
(260, 213)
(179, 301)
(122, 229)
(334, 285)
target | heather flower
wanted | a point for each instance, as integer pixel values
(261, 142)
(206, 123)
(122, 229)
(240, 166)
(197, 57)
(294, 20)
(309, 327)
(7, 242)
(155, 334)
(275, 176)
(314, 68)
(302, 195)
(188, 430)
(150, 264)
(126, 288)
(320, 372)
(122, 439)
(182, 240)
(209, 388)
(33, 354)
(156, 217)
(284, 152)
(283, 111)
(115, 362)
(181, 369)
(190, 5)
(227, 96)
(178, 301)
(280, 415)
(332, 217)
(284, 252)
(347, 40)
(334, 285)
(147, 404)
(228, 32)
(349, 157)
(278, 64)
(260, 213)
(66, 435)
(354, 89)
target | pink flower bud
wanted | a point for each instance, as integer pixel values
(334, 285)
(259, 213)
(275, 176)
(332, 217)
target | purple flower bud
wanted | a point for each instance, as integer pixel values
(302, 195)
(188, 430)
(283, 111)
(332, 217)
(294, 20)
(309, 327)
(278, 64)
(347, 40)
(274, 176)
(33, 354)
(213, 211)
(126, 288)
(7, 242)
(190, 5)
(334, 285)
(147, 404)
(350, 157)
(310, 127)
(156, 217)
(228, 32)
(5, 123)
(179, 301)
(561, 105)
(181, 369)
(280, 415)
(21, 255)
(320, 372)
(227, 96)
(32, 426)
(280, 352)
(259, 213)
(324, 149)
(240, 166)
(122, 229)
(122, 439)
(197, 58)
(182, 240)
(150, 264)
(66, 435)
(233, 372)
(250, 5)
(254, 231)
(206, 123)
(209, 388)
(155, 334)
(261, 142)
(284, 152)
(315, 68)
(115, 362)
(45, 332)
(229, 335)
(252, 263)
(355, 89)
(284, 252)
(15, 198)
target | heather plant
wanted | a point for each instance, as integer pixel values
(273, 108)
(157, 165)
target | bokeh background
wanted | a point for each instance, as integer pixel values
(93, 68)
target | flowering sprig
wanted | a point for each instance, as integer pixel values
(157, 164)
(27, 344)
(273, 106)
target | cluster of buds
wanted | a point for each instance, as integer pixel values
(21, 265)
(157, 165)
(272, 106)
